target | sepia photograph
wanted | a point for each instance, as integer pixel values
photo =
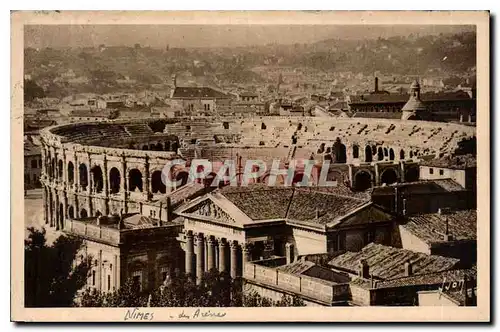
(241, 166)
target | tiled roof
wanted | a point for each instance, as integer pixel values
(260, 202)
(187, 192)
(431, 227)
(419, 187)
(378, 115)
(297, 267)
(194, 92)
(434, 278)
(306, 205)
(403, 98)
(456, 162)
(313, 270)
(388, 263)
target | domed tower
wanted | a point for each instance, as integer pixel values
(414, 109)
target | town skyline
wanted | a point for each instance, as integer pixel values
(227, 36)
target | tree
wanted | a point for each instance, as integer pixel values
(52, 277)
(32, 91)
(215, 290)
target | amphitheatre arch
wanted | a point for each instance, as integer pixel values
(71, 212)
(412, 174)
(157, 185)
(84, 181)
(60, 217)
(135, 180)
(388, 176)
(368, 154)
(114, 180)
(97, 178)
(71, 173)
(362, 180)
(60, 169)
(380, 153)
(355, 151)
(120, 143)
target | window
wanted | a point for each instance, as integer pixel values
(109, 282)
(34, 164)
(93, 277)
(431, 170)
(39, 163)
(441, 172)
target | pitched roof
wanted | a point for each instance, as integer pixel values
(388, 263)
(187, 192)
(419, 187)
(194, 92)
(434, 278)
(431, 227)
(378, 115)
(403, 98)
(456, 162)
(260, 202)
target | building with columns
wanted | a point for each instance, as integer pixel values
(230, 226)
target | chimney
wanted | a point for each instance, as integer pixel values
(140, 207)
(289, 252)
(174, 80)
(408, 269)
(376, 84)
(364, 269)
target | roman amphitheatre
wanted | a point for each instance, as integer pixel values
(105, 168)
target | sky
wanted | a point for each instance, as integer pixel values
(159, 36)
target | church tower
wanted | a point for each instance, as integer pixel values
(414, 109)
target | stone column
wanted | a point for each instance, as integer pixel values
(76, 172)
(402, 168)
(106, 185)
(246, 249)
(377, 176)
(234, 259)
(146, 181)
(44, 161)
(200, 257)
(65, 171)
(211, 253)
(124, 184)
(222, 255)
(89, 174)
(45, 201)
(105, 176)
(189, 253)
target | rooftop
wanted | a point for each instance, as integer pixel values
(431, 227)
(195, 92)
(305, 206)
(456, 162)
(387, 263)
(403, 98)
(418, 187)
(434, 278)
